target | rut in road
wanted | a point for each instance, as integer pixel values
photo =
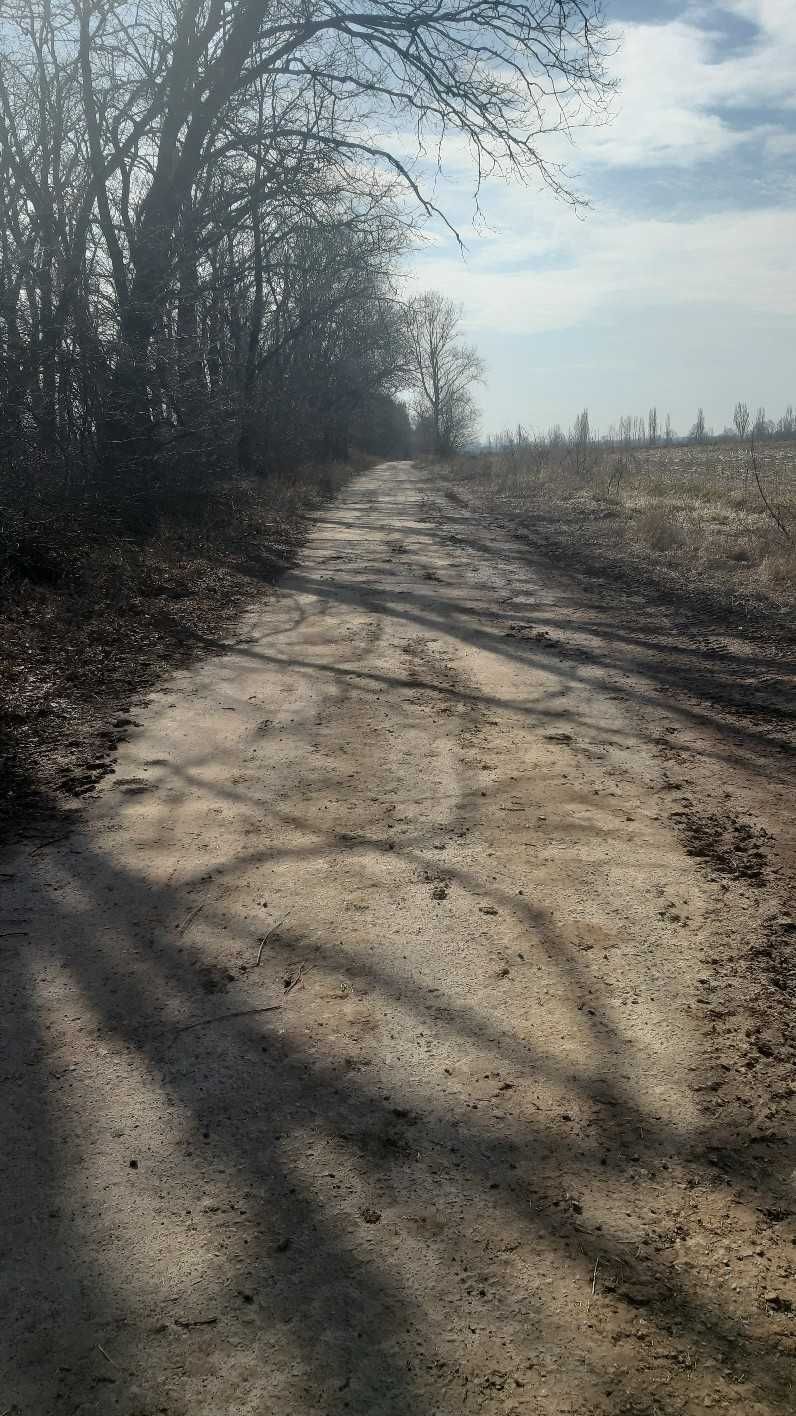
(351, 1045)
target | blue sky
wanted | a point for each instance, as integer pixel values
(678, 286)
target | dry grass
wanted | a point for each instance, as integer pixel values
(696, 511)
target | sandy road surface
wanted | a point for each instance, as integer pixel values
(360, 1053)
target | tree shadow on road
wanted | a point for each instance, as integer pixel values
(352, 1248)
(257, 1107)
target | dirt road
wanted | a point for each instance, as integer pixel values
(388, 1036)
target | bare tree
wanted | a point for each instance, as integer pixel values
(741, 419)
(581, 431)
(668, 432)
(580, 441)
(652, 427)
(441, 370)
(499, 72)
(699, 431)
(762, 427)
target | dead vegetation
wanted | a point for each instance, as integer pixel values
(92, 618)
(717, 516)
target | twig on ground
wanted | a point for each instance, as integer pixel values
(593, 1283)
(302, 973)
(173, 872)
(189, 917)
(51, 841)
(225, 1017)
(267, 936)
(101, 1349)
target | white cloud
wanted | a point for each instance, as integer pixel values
(685, 97)
(674, 76)
(780, 144)
(773, 16)
(742, 260)
(544, 269)
(652, 307)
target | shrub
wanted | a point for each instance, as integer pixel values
(656, 528)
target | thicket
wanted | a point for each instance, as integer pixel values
(203, 210)
(266, 338)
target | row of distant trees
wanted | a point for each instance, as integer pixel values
(761, 426)
(649, 431)
(745, 425)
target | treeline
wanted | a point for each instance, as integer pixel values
(203, 210)
(650, 431)
(257, 328)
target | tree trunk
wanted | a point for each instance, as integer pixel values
(126, 441)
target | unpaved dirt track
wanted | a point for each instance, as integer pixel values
(368, 1042)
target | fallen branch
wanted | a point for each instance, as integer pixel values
(225, 1017)
(593, 1283)
(267, 936)
(302, 973)
(51, 841)
(190, 916)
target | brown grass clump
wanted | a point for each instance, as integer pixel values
(657, 528)
(777, 573)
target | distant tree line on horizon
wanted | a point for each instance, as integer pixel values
(646, 431)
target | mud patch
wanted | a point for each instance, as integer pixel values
(734, 848)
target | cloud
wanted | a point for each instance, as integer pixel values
(686, 93)
(742, 260)
(773, 17)
(681, 274)
(780, 144)
(710, 90)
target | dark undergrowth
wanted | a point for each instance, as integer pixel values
(92, 618)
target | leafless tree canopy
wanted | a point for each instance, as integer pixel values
(204, 207)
